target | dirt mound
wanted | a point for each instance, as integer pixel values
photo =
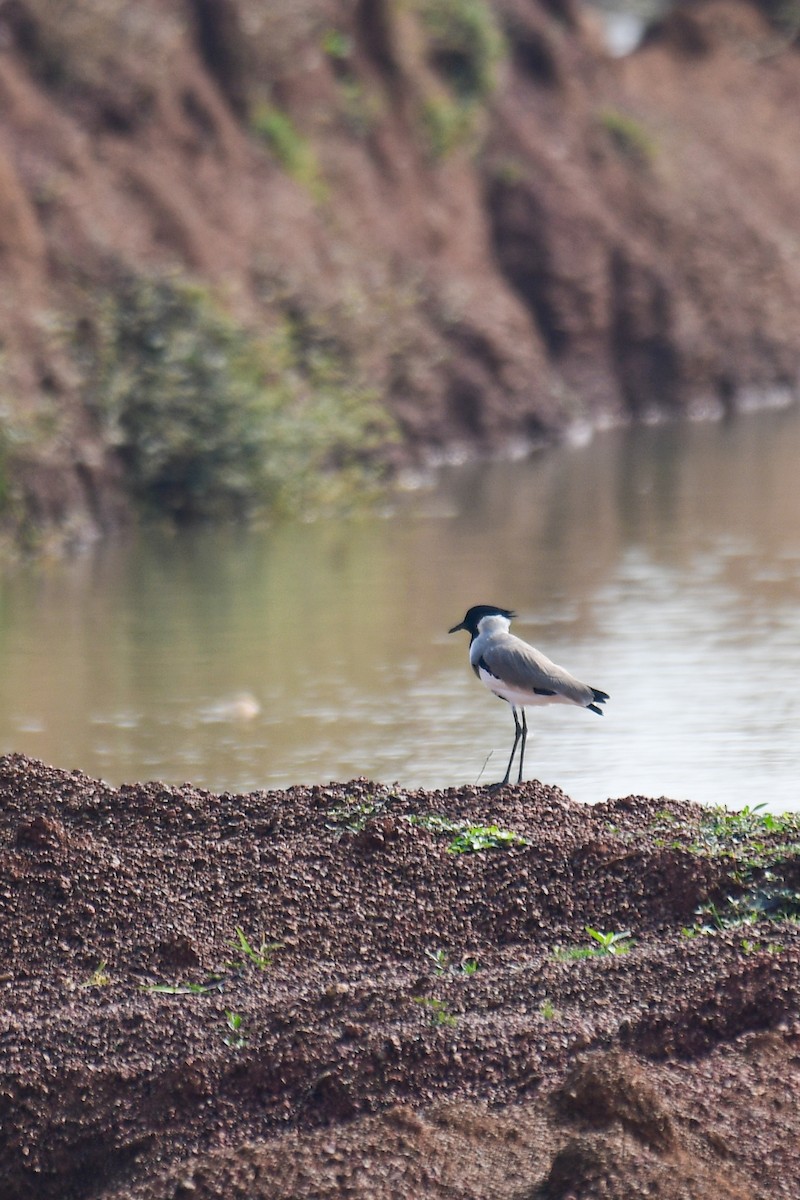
(331, 991)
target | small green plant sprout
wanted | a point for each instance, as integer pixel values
(99, 976)
(604, 943)
(442, 964)
(439, 959)
(749, 947)
(610, 943)
(437, 1010)
(473, 838)
(547, 1010)
(261, 957)
(214, 984)
(236, 1036)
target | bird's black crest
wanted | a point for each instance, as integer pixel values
(477, 613)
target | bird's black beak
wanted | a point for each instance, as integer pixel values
(456, 628)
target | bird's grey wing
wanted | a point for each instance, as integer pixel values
(524, 667)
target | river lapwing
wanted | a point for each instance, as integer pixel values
(518, 673)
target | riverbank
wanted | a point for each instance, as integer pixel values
(359, 990)
(260, 261)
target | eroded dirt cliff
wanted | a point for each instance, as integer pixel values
(492, 225)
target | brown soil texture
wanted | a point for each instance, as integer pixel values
(365, 1060)
(603, 240)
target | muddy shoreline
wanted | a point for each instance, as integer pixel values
(313, 993)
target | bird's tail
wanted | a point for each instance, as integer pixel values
(599, 698)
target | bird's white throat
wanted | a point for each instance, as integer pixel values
(493, 624)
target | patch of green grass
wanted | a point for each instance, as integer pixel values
(604, 943)
(293, 151)
(723, 830)
(754, 843)
(548, 1010)
(437, 1010)
(474, 838)
(767, 900)
(629, 137)
(750, 838)
(467, 838)
(351, 816)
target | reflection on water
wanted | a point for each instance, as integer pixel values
(661, 564)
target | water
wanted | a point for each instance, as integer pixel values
(661, 564)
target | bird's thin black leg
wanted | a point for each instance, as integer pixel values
(522, 747)
(517, 736)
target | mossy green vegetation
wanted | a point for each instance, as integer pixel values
(438, 1011)
(465, 47)
(464, 837)
(761, 849)
(751, 838)
(629, 137)
(467, 838)
(293, 151)
(211, 421)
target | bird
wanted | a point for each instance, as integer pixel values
(518, 673)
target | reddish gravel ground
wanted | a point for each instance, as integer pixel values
(369, 1057)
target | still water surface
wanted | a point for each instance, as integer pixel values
(661, 564)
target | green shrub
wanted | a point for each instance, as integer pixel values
(465, 45)
(209, 421)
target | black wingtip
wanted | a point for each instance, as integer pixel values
(601, 698)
